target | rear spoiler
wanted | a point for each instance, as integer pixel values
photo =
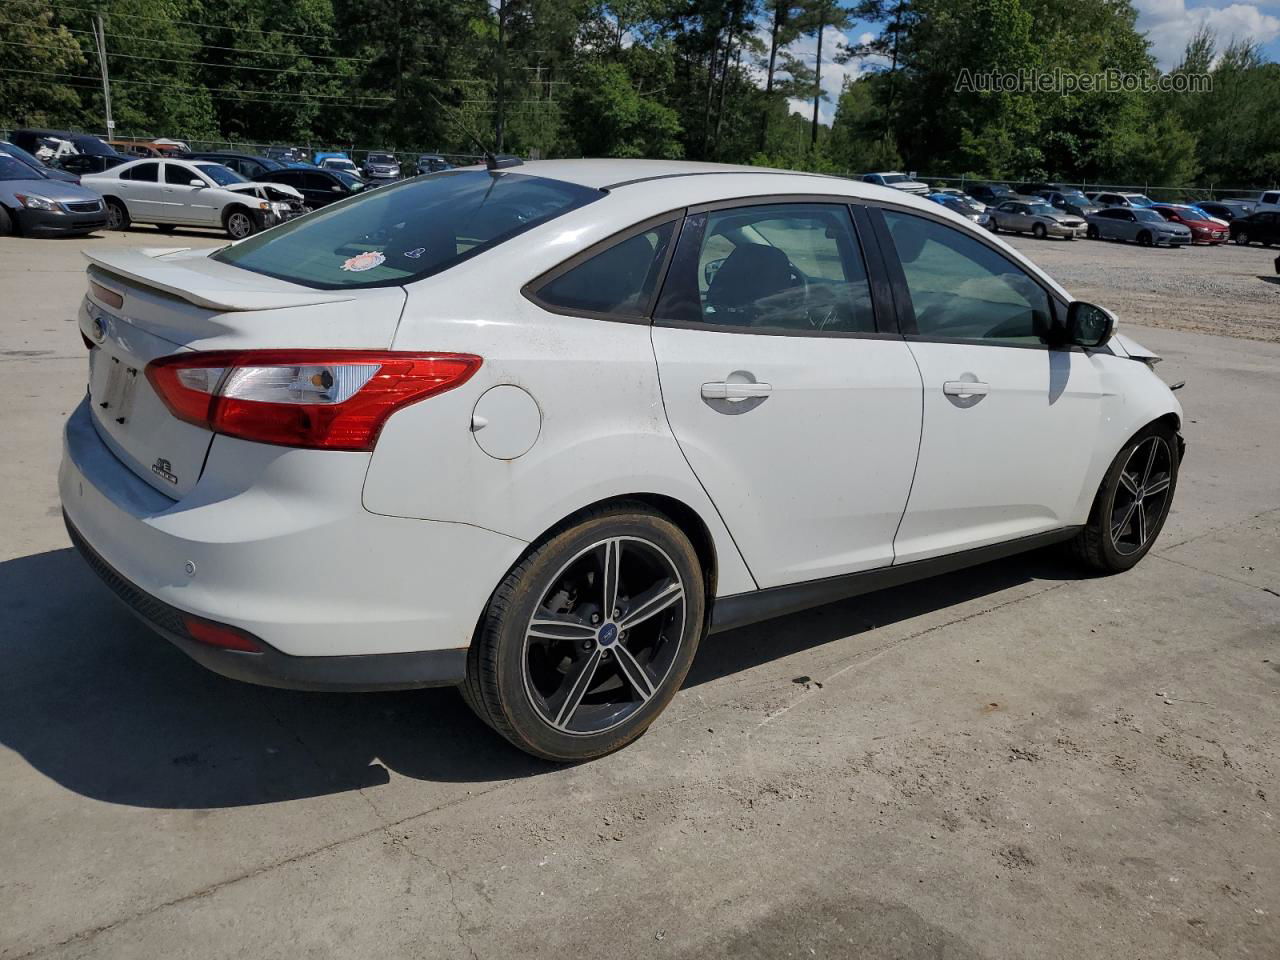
(207, 283)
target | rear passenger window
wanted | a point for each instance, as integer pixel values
(962, 289)
(773, 268)
(618, 281)
(150, 172)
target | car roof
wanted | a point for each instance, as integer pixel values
(614, 174)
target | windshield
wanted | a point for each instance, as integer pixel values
(25, 159)
(11, 169)
(1041, 209)
(352, 183)
(1075, 196)
(893, 178)
(1138, 200)
(222, 176)
(959, 205)
(1148, 215)
(381, 158)
(401, 233)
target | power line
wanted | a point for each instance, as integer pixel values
(189, 86)
(233, 99)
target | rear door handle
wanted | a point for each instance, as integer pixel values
(735, 391)
(965, 388)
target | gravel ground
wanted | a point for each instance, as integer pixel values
(1010, 762)
(1226, 290)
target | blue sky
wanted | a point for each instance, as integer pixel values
(1168, 25)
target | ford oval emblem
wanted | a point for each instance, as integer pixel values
(99, 330)
(608, 633)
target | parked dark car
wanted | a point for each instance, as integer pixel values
(33, 202)
(83, 163)
(15, 151)
(432, 163)
(1070, 201)
(1261, 228)
(1227, 210)
(318, 187)
(380, 166)
(248, 165)
(992, 193)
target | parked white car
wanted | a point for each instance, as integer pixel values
(192, 193)
(537, 431)
(898, 181)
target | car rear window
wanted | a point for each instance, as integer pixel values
(402, 233)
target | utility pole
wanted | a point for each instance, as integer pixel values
(502, 66)
(817, 79)
(100, 38)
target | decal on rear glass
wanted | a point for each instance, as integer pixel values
(364, 261)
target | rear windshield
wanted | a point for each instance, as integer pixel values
(404, 232)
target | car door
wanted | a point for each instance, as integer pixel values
(1009, 424)
(321, 187)
(144, 195)
(182, 203)
(790, 393)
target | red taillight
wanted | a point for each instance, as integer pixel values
(220, 635)
(321, 399)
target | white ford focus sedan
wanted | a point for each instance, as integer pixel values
(536, 430)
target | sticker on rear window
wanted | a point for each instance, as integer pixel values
(364, 261)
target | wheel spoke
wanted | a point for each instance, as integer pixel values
(652, 602)
(1142, 524)
(612, 568)
(1159, 486)
(549, 626)
(1129, 483)
(1151, 460)
(576, 684)
(636, 675)
(1118, 528)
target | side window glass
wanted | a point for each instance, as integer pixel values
(776, 268)
(150, 172)
(179, 176)
(962, 289)
(619, 280)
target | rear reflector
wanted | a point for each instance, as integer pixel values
(318, 399)
(220, 635)
(109, 297)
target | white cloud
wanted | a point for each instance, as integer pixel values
(834, 74)
(1169, 24)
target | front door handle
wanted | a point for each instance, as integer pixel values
(723, 390)
(965, 388)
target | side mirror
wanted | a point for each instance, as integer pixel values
(1089, 325)
(197, 183)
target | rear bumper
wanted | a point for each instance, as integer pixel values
(270, 667)
(276, 543)
(35, 222)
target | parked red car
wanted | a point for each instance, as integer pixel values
(1202, 230)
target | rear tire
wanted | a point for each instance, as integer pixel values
(1132, 503)
(561, 676)
(117, 215)
(6, 222)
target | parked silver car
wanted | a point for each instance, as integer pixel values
(1136, 224)
(1035, 217)
(34, 202)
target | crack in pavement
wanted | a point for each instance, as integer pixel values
(1215, 573)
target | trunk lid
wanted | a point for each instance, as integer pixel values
(178, 300)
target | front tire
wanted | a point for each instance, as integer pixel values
(6, 222)
(1039, 231)
(1144, 239)
(1242, 239)
(589, 637)
(1092, 233)
(1133, 502)
(239, 224)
